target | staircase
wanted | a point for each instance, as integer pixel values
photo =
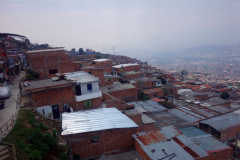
(7, 152)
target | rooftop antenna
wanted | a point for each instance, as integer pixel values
(113, 50)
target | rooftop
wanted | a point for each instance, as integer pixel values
(154, 90)
(118, 87)
(149, 106)
(224, 121)
(95, 120)
(80, 77)
(125, 65)
(169, 142)
(101, 60)
(204, 140)
(44, 84)
(46, 50)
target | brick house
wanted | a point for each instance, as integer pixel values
(171, 89)
(97, 72)
(110, 79)
(155, 92)
(79, 90)
(98, 132)
(48, 62)
(125, 92)
(224, 127)
(105, 64)
(167, 143)
(126, 67)
(146, 83)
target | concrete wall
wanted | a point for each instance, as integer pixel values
(95, 88)
(47, 109)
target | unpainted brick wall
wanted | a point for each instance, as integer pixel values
(96, 102)
(219, 155)
(145, 85)
(125, 95)
(129, 68)
(157, 94)
(97, 73)
(109, 140)
(136, 118)
(117, 104)
(141, 152)
(146, 128)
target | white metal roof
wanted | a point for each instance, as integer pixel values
(125, 65)
(95, 120)
(101, 60)
(46, 50)
(80, 77)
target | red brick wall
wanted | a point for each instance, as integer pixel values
(136, 118)
(54, 96)
(146, 128)
(44, 61)
(117, 104)
(96, 102)
(109, 140)
(157, 94)
(145, 85)
(173, 89)
(201, 97)
(219, 155)
(141, 152)
(125, 95)
(108, 83)
(129, 68)
(97, 73)
(133, 76)
(230, 132)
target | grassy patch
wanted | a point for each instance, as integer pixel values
(32, 138)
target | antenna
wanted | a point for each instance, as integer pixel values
(113, 50)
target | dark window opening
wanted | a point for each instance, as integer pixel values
(90, 72)
(78, 90)
(93, 62)
(87, 103)
(89, 86)
(43, 112)
(53, 71)
(116, 69)
(95, 139)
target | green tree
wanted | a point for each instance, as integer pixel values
(81, 52)
(225, 95)
(98, 56)
(165, 91)
(163, 80)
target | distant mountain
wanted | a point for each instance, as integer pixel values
(208, 49)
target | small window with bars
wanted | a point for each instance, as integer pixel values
(87, 103)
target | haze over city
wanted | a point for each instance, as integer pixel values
(133, 27)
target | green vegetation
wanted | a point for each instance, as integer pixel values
(97, 56)
(143, 96)
(31, 75)
(167, 104)
(225, 95)
(33, 139)
(163, 80)
(165, 91)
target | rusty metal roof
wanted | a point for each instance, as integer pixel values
(169, 141)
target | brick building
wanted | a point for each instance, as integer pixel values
(98, 72)
(215, 148)
(171, 89)
(105, 64)
(146, 83)
(110, 79)
(125, 92)
(79, 90)
(167, 143)
(50, 61)
(155, 92)
(224, 127)
(126, 67)
(97, 132)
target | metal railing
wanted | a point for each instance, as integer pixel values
(7, 127)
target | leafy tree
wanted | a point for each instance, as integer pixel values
(35, 155)
(49, 140)
(225, 95)
(32, 75)
(98, 56)
(163, 80)
(165, 91)
(63, 156)
(81, 52)
(143, 96)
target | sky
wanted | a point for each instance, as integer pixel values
(131, 26)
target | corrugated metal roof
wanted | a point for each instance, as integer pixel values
(146, 119)
(186, 115)
(168, 140)
(150, 105)
(95, 120)
(224, 121)
(203, 140)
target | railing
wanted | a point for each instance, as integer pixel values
(8, 126)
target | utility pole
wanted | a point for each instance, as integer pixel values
(236, 147)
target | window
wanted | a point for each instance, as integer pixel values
(95, 139)
(53, 71)
(43, 112)
(90, 72)
(89, 86)
(87, 103)
(116, 69)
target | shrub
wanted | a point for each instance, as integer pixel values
(41, 125)
(76, 157)
(54, 132)
(225, 95)
(42, 147)
(35, 136)
(49, 140)
(35, 155)
(63, 156)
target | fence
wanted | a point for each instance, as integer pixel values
(8, 126)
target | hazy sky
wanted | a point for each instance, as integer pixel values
(131, 26)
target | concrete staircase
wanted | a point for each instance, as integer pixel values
(7, 152)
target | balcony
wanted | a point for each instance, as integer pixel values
(88, 96)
